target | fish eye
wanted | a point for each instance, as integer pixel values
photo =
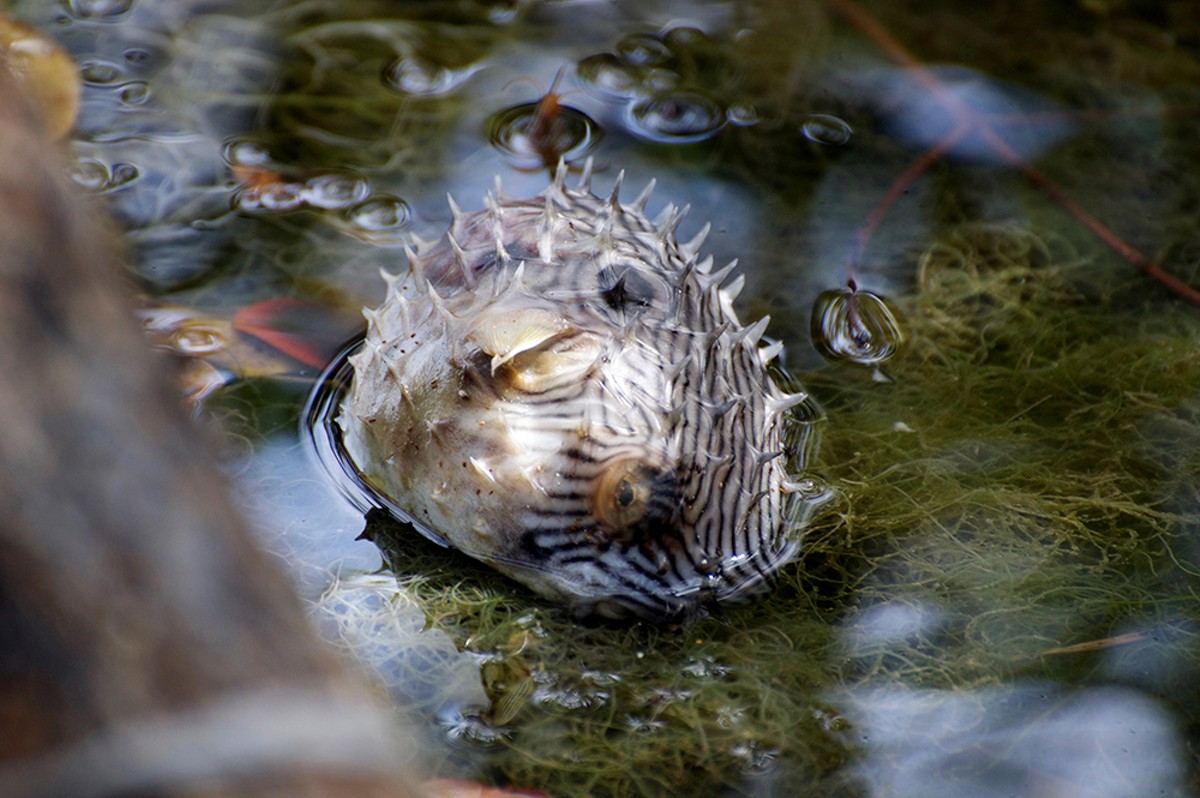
(621, 495)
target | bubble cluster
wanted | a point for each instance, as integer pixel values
(669, 83)
(264, 188)
(97, 176)
(370, 617)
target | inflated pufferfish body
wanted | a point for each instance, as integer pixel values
(557, 387)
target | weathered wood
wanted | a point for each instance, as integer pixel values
(146, 645)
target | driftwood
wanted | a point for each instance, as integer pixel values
(146, 646)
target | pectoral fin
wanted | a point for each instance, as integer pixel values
(506, 335)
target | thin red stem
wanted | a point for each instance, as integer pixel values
(862, 236)
(967, 121)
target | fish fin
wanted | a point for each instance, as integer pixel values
(506, 335)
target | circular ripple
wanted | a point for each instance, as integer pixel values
(532, 141)
(855, 326)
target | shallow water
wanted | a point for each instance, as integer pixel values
(1002, 598)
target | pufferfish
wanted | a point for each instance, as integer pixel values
(561, 389)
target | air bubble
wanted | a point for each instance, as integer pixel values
(246, 153)
(91, 175)
(280, 197)
(855, 326)
(677, 118)
(471, 728)
(417, 77)
(199, 340)
(809, 489)
(136, 56)
(826, 129)
(660, 81)
(276, 197)
(684, 36)
(742, 115)
(380, 213)
(97, 9)
(643, 50)
(756, 758)
(503, 13)
(609, 74)
(135, 93)
(122, 174)
(335, 191)
(532, 142)
(639, 725)
(99, 73)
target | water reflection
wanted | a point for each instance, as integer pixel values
(891, 624)
(953, 111)
(1025, 740)
(302, 516)
(378, 624)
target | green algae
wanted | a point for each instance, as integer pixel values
(1030, 474)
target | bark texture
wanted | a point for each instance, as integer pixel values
(146, 646)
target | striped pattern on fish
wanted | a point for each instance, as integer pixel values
(561, 389)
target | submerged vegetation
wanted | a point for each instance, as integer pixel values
(1027, 482)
